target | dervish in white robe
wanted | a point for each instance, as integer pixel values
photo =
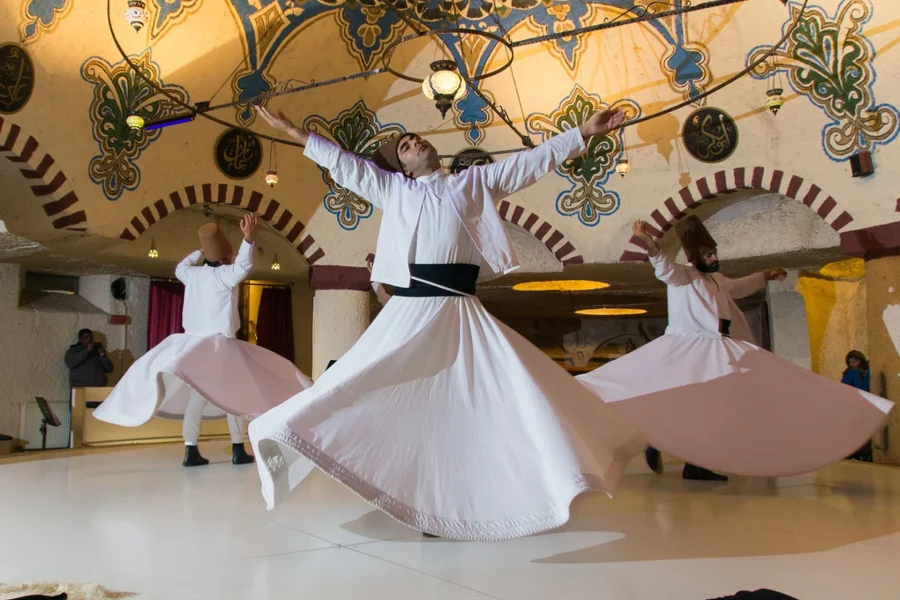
(440, 415)
(705, 393)
(206, 373)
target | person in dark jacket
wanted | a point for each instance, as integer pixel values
(87, 362)
(857, 375)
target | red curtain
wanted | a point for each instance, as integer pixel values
(166, 302)
(274, 325)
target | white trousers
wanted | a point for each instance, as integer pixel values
(193, 414)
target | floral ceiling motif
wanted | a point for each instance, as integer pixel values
(368, 27)
(118, 94)
(828, 60)
(586, 199)
(41, 16)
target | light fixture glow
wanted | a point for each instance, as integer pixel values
(560, 285)
(272, 175)
(135, 122)
(611, 312)
(444, 85)
(852, 269)
(276, 266)
(137, 14)
(623, 167)
(154, 253)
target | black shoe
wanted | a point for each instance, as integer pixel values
(695, 473)
(654, 460)
(239, 456)
(192, 457)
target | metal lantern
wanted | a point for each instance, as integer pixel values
(276, 266)
(137, 14)
(444, 85)
(774, 100)
(135, 122)
(154, 253)
(272, 175)
(623, 167)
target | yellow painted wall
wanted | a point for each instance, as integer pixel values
(836, 315)
(883, 277)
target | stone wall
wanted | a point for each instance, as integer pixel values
(35, 341)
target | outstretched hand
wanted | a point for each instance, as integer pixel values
(279, 122)
(775, 274)
(603, 122)
(639, 231)
(248, 226)
(282, 123)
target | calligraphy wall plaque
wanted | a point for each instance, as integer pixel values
(468, 157)
(710, 135)
(16, 78)
(238, 153)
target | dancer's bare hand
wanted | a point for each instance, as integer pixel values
(639, 230)
(248, 226)
(282, 123)
(603, 122)
(775, 274)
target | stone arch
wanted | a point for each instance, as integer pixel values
(48, 182)
(270, 210)
(555, 241)
(674, 209)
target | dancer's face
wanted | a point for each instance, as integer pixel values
(416, 155)
(708, 262)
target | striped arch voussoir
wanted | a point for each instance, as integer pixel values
(269, 209)
(47, 181)
(728, 182)
(556, 242)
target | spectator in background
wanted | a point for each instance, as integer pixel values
(87, 362)
(857, 375)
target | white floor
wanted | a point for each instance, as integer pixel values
(137, 521)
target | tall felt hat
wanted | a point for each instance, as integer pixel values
(386, 156)
(213, 243)
(695, 239)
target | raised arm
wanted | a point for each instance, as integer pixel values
(358, 175)
(232, 275)
(523, 169)
(667, 271)
(747, 286)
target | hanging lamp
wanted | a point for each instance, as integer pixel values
(444, 85)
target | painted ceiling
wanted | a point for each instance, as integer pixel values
(75, 170)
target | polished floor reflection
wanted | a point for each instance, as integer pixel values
(136, 521)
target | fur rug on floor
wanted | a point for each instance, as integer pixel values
(74, 591)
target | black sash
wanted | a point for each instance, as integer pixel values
(725, 327)
(460, 277)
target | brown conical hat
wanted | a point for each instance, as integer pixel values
(695, 239)
(213, 243)
(386, 156)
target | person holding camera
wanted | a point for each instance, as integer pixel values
(87, 362)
